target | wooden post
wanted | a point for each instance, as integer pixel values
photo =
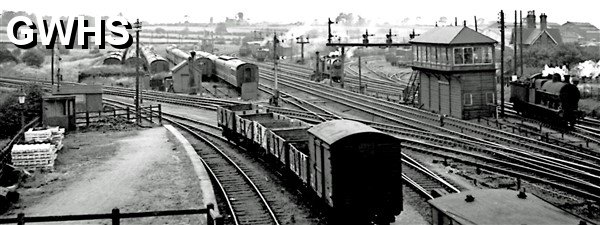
(21, 219)
(114, 112)
(128, 116)
(116, 216)
(159, 114)
(87, 118)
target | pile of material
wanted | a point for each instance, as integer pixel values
(39, 149)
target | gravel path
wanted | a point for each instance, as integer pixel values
(144, 174)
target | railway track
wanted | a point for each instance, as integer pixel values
(575, 139)
(242, 188)
(509, 170)
(422, 179)
(426, 120)
(375, 87)
(573, 168)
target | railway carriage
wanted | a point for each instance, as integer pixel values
(241, 75)
(113, 58)
(350, 167)
(131, 58)
(154, 62)
(175, 55)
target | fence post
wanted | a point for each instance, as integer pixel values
(87, 118)
(114, 112)
(116, 216)
(21, 219)
(159, 114)
(128, 117)
(209, 219)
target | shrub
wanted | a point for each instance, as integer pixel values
(10, 109)
(6, 56)
(16, 52)
(33, 58)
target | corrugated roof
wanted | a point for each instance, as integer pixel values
(453, 35)
(334, 130)
(501, 206)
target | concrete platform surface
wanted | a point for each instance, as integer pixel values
(146, 173)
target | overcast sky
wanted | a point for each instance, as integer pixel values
(308, 10)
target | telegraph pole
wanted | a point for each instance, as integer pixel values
(521, 40)
(192, 80)
(515, 44)
(52, 67)
(138, 28)
(275, 56)
(501, 63)
(360, 89)
(300, 40)
(275, 98)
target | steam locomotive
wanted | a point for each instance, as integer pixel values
(328, 67)
(256, 49)
(552, 100)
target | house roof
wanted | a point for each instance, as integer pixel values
(453, 35)
(530, 35)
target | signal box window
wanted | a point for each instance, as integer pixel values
(468, 55)
(487, 55)
(458, 56)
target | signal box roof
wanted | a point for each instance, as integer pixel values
(452, 36)
(501, 206)
(334, 130)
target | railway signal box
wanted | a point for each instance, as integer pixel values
(456, 72)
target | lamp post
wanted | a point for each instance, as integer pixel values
(22, 104)
(138, 27)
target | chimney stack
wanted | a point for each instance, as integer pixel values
(531, 19)
(543, 21)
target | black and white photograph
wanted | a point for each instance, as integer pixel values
(299, 112)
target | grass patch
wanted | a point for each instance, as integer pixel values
(69, 67)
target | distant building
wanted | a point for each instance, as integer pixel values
(542, 36)
(580, 32)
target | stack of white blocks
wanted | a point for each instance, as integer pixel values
(42, 152)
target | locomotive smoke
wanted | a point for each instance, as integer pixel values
(588, 68)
